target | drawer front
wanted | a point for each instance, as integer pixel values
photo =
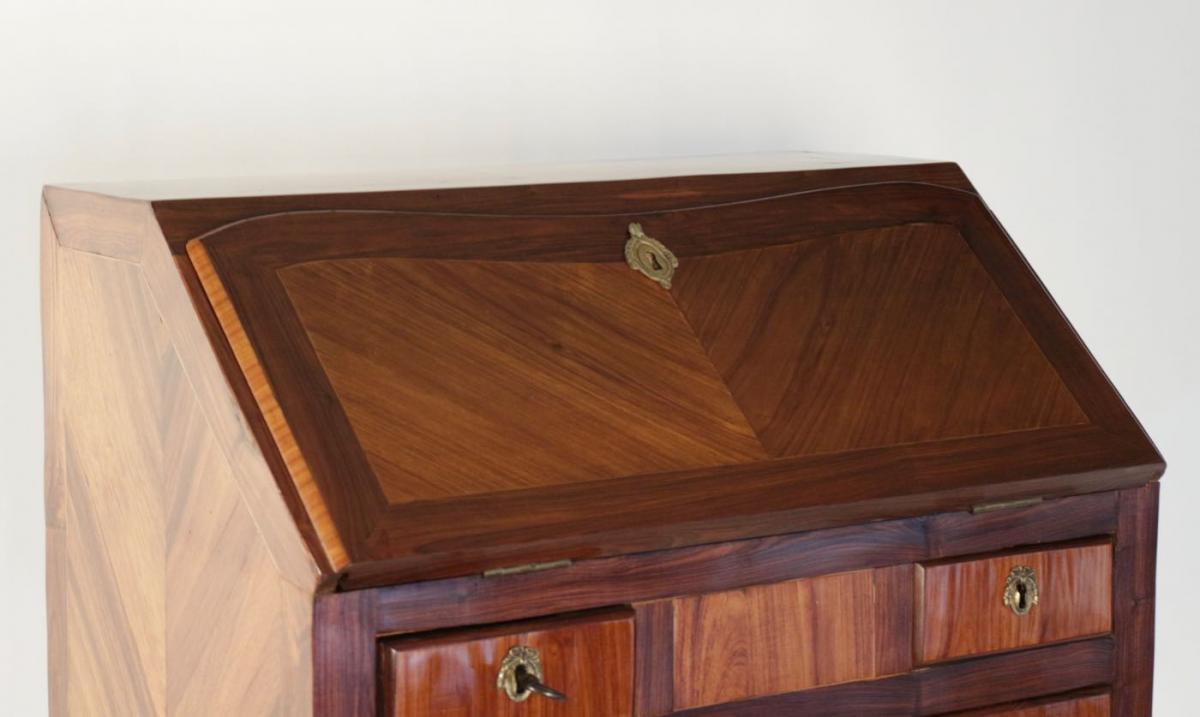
(1092, 706)
(589, 659)
(972, 607)
(790, 636)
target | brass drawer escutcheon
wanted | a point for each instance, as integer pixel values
(521, 676)
(649, 256)
(1021, 590)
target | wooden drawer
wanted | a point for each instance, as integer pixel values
(1090, 706)
(962, 610)
(789, 636)
(589, 658)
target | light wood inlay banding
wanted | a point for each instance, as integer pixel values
(260, 387)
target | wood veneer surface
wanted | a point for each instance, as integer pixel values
(126, 230)
(943, 689)
(1133, 600)
(589, 659)
(1089, 706)
(463, 377)
(784, 637)
(516, 375)
(904, 320)
(188, 212)
(962, 610)
(165, 597)
(902, 297)
(352, 618)
(140, 608)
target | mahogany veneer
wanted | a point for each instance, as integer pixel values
(338, 453)
(961, 610)
(1084, 706)
(788, 636)
(589, 657)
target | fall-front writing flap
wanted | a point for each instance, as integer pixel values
(443, 385)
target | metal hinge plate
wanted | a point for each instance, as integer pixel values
(526, 568)
(1005, 505)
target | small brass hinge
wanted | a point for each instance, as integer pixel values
(526, 568)
(1005, 505)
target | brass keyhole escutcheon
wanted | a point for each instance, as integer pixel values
(521, 676)
(649, 256)
(1021, 590)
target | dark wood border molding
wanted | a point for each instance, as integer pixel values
(1133, 595)
(185, 219)
(946, 688)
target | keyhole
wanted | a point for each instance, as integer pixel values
(654, 262)
(523, 679)
(1021, 590)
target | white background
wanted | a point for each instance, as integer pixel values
(1077, 120)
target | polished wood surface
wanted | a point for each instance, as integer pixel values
(334, 550)
(281, 455)
(590, 659)
(798, 332)
(107, 227)
(1133, 600)
(1090, 706)
(591, 190)
(518, 375)
(1024, 403)
(942, 689)
(654, 658)
(428, 605)
(961, 609)
(510, 375)
(55, 489)
(351, 620)
(165, 597)
(784, 637)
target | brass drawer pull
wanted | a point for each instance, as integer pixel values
(1021, 590)
(521, 676)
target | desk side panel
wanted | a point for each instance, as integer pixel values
(163, 595)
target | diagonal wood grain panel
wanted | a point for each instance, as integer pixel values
(116, 532)
(231, 646)
(169, 601)
(874, 338)
(467, 377)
